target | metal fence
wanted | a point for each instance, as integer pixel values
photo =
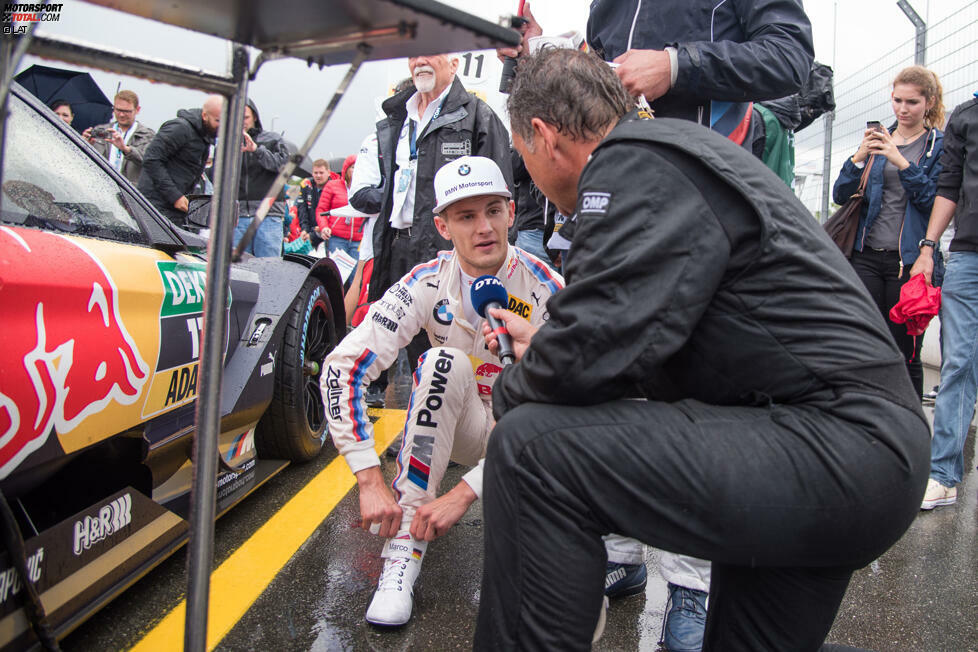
(952, 53)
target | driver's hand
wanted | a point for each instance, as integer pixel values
(182, 204)
(377, 504)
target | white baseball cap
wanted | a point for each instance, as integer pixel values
(468, 176)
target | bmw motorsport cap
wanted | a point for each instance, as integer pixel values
(468, 176)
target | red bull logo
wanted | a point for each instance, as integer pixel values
(487, 370)
(67, 353)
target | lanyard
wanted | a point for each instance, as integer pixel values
(413, 131)
(413, 138)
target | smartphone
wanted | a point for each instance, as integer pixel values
(874, 125)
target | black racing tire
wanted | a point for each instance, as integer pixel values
(294, 426)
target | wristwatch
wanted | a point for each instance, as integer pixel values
(924, 242)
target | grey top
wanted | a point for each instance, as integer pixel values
(885, 232)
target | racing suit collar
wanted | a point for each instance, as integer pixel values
(455, 277)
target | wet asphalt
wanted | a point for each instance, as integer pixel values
(921, 595)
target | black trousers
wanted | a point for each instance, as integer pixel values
(786, 501)
(880, 273)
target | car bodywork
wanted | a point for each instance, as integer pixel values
(102, 303)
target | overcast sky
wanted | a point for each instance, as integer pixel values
(290, 96)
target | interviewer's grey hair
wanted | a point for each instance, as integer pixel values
(574, 91)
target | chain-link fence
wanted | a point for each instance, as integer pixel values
(952, 46)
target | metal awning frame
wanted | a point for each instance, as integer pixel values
(234, 87)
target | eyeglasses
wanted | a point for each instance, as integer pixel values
(123, 111)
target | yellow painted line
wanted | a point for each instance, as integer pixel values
(241, 579)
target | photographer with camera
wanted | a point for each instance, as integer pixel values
(124, 141)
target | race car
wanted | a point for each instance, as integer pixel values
(102, 305)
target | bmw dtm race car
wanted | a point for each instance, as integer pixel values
(102, 302)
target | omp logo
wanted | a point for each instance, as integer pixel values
(595, 202)
(111, 518)
(10, 583)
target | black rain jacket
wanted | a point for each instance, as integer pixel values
(174, 161)
(731, 50)
(664, 301)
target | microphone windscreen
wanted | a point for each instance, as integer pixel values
(488, 289)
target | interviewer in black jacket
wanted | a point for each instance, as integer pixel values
(779, 436)
(175, 159)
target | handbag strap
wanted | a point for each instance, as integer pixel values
(865, 175)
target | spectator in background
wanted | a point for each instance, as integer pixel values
(773, 135)
(425, 126)
(900, 192)
(176, 157)
(701, 60)
(264, 153)
(127, 139)
(309, 192)
(63, 109)
(530, 218)
(342, 232)
(957, 197)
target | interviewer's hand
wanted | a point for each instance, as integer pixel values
(520, 330)
(377, 504)
(529, 30)
(437, 517)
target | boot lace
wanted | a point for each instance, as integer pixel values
(392, 577)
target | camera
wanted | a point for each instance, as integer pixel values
(102, 133)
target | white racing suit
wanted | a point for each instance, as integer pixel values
(450, 410)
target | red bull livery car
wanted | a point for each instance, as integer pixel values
(102, 302)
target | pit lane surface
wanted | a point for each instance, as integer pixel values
(921, 595)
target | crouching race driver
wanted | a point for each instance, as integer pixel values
(449, 414)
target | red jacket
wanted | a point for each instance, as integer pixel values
(334, 196)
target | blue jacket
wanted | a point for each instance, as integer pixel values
(730, 52)
(920, 182)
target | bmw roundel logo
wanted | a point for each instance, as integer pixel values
(464, 169)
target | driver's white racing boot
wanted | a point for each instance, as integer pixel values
(394, 597)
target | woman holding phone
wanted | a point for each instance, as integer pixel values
(899, 196)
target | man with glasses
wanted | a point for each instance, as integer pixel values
(123, 141)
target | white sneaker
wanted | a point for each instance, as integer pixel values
(937, 495)
(394, 598)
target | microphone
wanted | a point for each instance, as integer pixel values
(489, 292)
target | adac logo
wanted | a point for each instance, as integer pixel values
(520, 307)
(464, 170)
(441, 313)
(70, 355)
